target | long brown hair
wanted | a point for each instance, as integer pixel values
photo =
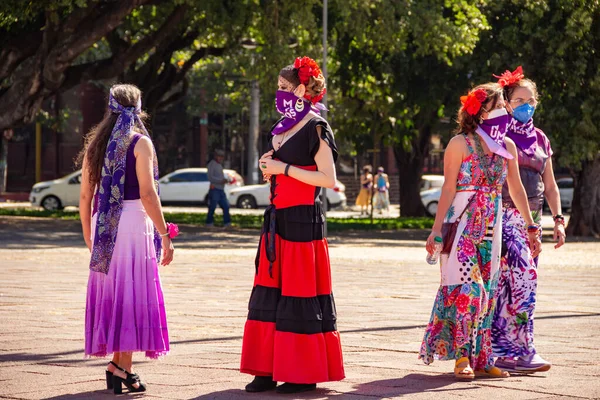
(467, 123)
(96, 140)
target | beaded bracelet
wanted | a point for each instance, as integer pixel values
(533, 228)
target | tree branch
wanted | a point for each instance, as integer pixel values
(15, 52)
(111, 16)
(197, 56)
(119, 62)
(116, 43)
(175, 97)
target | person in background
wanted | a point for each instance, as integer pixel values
(382, 194)
(216, 193)
(366, 187)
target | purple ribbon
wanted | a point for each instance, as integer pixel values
(110, 190)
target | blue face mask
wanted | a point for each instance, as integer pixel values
(523, 113)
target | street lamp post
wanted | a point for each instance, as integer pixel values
(324, 112)
(252, 150)
(252, 177)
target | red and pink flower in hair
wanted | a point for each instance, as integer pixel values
(307, 68)
(473, 101)
(508, 78)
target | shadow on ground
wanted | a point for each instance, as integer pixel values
(383, 389)
(46, 233)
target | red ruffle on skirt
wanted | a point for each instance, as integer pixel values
(291, 331)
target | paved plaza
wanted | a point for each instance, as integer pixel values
(384, 292)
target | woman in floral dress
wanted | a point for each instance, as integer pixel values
(477, 162)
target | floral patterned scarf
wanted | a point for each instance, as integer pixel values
(110, 190)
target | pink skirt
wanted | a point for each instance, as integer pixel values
(125, 309)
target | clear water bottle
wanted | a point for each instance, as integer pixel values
(433, 258)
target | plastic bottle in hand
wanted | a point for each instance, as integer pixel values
(433, 258)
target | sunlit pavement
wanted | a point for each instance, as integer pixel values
(384, 292)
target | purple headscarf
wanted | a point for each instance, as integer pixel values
(110, 190)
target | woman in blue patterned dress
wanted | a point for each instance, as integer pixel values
(512, 329)
(477, 161)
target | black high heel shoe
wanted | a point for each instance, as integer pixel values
(109, 375)
(131, 380)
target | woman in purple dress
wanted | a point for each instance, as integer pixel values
(125, 231)
(512, 329)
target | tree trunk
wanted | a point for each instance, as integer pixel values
(410, 167)
(585, 211)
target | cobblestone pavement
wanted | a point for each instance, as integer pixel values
(384, 293)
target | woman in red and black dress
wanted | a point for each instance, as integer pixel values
(291, 335)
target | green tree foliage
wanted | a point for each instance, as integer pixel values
(394, 75)
(558, 44)
(50, 46)
(282, 31)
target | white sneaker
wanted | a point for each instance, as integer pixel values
(531, 363)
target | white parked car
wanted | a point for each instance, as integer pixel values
(565, 188)
(431, 182)
(190, 185)
(431, 189)
(430, 199)
(254, 196)
(57, 194)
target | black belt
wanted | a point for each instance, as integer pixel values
(268, 230)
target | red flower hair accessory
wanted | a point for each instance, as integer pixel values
(473, 101)
(509, 78)
(306, 67)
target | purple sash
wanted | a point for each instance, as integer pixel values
(108, 199)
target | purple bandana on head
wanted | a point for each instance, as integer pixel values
(493, 131)
(524, 135)
(108, 199)
(293, 109)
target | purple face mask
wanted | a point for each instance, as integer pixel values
(493, 131)
(293, 109)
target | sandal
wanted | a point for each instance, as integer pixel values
(130, 382)
(463, 370)
(492, 372)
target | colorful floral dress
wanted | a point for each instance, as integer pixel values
(460, 324)
(512, 328)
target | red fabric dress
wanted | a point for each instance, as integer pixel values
(291, 331)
